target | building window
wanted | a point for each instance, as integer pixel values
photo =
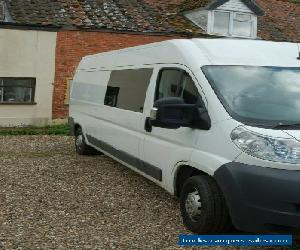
(68, 90)
(242, 25)
(127, 89)
(221, 22)
(228, 23)
(17, 90)
(2, 11)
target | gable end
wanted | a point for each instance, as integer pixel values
(249, 3)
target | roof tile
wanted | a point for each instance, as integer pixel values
(281, 20)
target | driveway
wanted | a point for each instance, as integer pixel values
(52, 198)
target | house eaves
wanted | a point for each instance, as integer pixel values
(251, 4)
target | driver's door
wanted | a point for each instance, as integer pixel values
(163, 148)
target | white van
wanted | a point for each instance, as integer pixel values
(215, 122)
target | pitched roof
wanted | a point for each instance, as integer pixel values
(280, 22)
(252, 5)
(129, 15)
(213, 4)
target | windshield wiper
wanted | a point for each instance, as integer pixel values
(287, 126)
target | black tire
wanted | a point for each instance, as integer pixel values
(81, 147)
(212, 215)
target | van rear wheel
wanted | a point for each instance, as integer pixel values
(81, 147)
(203, 206)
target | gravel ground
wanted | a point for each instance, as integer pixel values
(52, 198)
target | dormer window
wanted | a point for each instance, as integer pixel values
(232, 18)
(233, 24)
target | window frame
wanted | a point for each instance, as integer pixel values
(141, 111)
(33, 90)
(232, 15)
(246, 121)
(230, 22)
(159, 76)
(69, 82)
(2, 5)
(183, 72)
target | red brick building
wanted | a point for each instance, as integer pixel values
(91, 26)
(73, 45)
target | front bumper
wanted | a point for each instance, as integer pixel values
(261, 199)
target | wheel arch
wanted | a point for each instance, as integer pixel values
(73, 125)
(76, 126)
(182, 173)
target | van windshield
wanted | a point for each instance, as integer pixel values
(259, 96)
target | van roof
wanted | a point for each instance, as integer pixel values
(249, 52)
(195, 52)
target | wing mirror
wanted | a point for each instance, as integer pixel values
(173, 113)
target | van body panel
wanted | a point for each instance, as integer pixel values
(162, 147)
(147, 55)
(214, 148)
(249, 52)
(158, 154)
(119, 128)
(214, 106)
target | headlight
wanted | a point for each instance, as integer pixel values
(267, 148)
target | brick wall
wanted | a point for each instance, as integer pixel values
(71, 46)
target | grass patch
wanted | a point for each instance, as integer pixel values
(32, 130)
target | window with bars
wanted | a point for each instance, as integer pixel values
(17, 90)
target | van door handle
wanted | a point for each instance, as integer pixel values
(148, 125)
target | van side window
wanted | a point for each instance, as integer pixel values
(169, 83)
(127, 89)
(177, 83)
(189, 92)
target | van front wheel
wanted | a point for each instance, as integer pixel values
(203, 206)
(81, 147)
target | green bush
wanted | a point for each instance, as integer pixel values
(32, 130)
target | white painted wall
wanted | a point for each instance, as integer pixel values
(198, 17)
(28, 53)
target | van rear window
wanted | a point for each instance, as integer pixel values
(126, 89)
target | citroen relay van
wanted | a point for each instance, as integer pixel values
(215, 122)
